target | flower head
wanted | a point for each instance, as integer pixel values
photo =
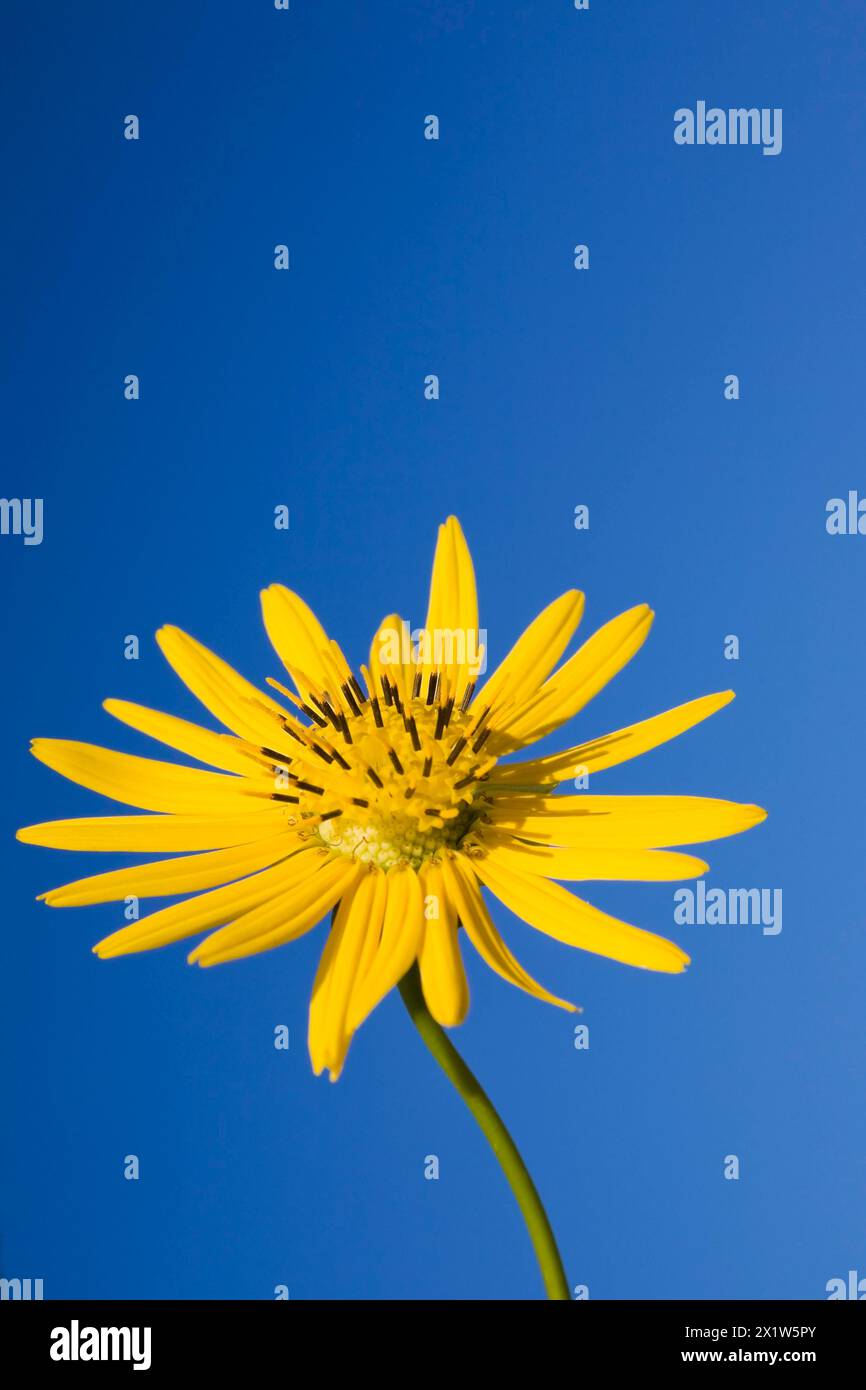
(383, 797)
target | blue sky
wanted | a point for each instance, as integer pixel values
(558, 387)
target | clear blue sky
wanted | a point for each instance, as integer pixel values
(558, 387)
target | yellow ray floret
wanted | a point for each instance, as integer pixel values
(380, 798)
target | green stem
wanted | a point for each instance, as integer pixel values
(491, 1125)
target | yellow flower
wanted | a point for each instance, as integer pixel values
(387, 800)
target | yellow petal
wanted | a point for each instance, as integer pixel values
(397, 949)
(147, 783)
(391, 656)
(533, 656)
(462, 886)
(581, 677)
(282, 919)
(357, 925)
(208, 910)
(443, 978)
(611, 749)
(218, 750)
(624, 822)
(154, 834)
(168, 877)
(231, 699)
(558, 913)
(451, 625)
(609, 865)
(311, 659)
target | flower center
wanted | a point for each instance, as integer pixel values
(388, 840)
(388, 775)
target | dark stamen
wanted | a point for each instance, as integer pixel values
(412, 730)
(358, 689)
(275, 756)
(350, 698)
(464, 781)
(359, 801)
(456, 751)
(431, 688)
(321, 752)
(467, 697)
(374, 777)
(315, 716)
(282, 796)
(479, 742)
(428, 763)
(480, 720)
(443, 717)
(416, 684)
(330, 815)
(309, 787)
(396, 761)
(386, 690)
(332, 714)
(410, 791)
(338, 757)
